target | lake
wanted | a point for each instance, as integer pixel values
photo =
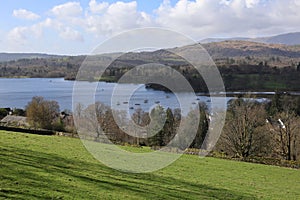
(17, 92)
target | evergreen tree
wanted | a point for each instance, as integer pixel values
(276, 104)
(158, 118)
(202, 127)
(169, 129)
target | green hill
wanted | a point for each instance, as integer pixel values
(52, 167)
(5, 57)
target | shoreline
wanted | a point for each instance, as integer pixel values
(229, 93)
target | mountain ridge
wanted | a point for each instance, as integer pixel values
(5, 57)
(290, 39)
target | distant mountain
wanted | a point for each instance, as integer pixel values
(287, 39)
(16, 56)
(211, 40)
(240, 54)
(243, 49)
(234, 48)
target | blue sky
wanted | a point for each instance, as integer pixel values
(77, 27)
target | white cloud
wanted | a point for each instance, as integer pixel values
(115, 17)
(18, 35)
(97, 7)
(207, 18)
(25, 14)
(69, 14)
(251, 3)
(70, 34)
(69, 9)
(19, 39)
(196, 18)
(22, 36)
(64, 31)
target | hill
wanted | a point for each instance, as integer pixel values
(244, 65)
(247, 48)
(287, 39)
(4, 57)
(52, 167)
(244, 52)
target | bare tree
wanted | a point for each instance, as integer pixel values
(142, 119)
(285, 130)
(87, 123)
(98, 121)
(243, 133)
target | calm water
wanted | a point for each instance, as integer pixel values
(16, 93)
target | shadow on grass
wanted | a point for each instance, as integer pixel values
(27, 174)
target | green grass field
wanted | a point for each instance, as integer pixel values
(52, 167)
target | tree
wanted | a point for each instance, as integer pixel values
(169, 128)
(243, 133)
(142, 119)
(42, 113)
(3, 112)
(285, 129)
(284, 125)
(187, 131)
(298, 105)
(275, 104)
(87, 121)
(108, 118)
(284, 102)
(19, 112)
(158, 117)
(177, 118)
(202, 127)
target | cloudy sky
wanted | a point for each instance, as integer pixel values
(77, 27)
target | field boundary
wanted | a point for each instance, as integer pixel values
(31, 131)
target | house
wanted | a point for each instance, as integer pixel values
(14, 121)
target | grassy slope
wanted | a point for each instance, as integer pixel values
(50, 167)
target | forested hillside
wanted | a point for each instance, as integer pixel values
(243, 65)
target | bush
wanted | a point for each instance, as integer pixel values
(3, 113)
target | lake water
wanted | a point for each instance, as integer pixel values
(17, 92)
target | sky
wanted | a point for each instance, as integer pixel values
(73, 27)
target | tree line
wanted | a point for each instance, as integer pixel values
(252, 129)
(100, 123)
(267, 130)
(238, 75)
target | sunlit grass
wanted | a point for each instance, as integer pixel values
(52, 167)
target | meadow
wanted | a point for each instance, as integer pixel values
(53, 167)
